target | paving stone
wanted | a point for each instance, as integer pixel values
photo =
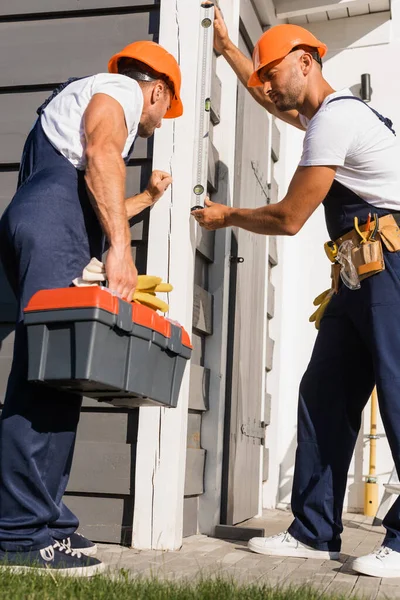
(202, 556)
(367, 588)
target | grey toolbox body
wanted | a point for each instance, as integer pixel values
(88, 341)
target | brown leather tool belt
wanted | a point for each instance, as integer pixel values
(368, 257)
(388, 225)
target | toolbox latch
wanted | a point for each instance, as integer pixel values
(124, 316)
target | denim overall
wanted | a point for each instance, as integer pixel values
(357, 346)
(48, 234)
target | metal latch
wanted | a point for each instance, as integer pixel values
(252, 430)
(236, 259)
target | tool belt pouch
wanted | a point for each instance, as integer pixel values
(368, 259)
(335, 275)
(390, 233)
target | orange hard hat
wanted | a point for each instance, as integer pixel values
(278, 42)
(158, 59)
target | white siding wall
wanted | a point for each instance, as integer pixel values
(304, 271)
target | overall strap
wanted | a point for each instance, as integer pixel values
(385, 120)
(55, 93)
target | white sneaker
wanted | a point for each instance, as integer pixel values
(283, 544)
(384, 562)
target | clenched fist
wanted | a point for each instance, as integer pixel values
(159, 182)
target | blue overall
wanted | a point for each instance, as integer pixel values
(48, 234)
(357, 346)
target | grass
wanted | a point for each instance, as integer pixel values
(122, 587)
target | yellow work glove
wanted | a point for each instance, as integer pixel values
(146, 289)
(322, 302)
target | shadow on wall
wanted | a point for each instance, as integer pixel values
(356, 32)
(286, 470)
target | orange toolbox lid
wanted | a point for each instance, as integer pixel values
(96, 297)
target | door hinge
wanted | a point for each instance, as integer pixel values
(252, 430)
(236, 259)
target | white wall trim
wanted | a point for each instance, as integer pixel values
(295, 8)
(161, 446)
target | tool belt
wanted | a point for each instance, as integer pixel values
(366, 252)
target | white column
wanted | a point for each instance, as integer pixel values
(161, 447)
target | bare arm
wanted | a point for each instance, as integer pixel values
(243, 67)
(307, 190)
(106, 133)
(159, 182)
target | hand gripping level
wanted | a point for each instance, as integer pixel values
(203, 105)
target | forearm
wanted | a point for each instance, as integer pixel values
(105, 179)
(266, 220)
(136, 204)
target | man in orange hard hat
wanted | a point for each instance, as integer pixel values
(70, 198)
(350, 163)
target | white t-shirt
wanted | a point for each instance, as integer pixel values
(347, 134)
(62, 119)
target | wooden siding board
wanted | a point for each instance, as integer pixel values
(103, 519)
(190, 509)
(8, 305)
(6, 353)
(117, 427)
(216, 91)
(213, 161)
(66, 42)
(17, 116)
(265, 464)
(270, 354)
(273, 251)
(276, 141)
(194, 431)
(105, 468)
(267, 409)
(22, 7)
(199, 388)
(202, 310)
(271, 301)
(205, 243)
(194, 478)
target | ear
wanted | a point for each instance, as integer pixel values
(158, 92)
(306, 61)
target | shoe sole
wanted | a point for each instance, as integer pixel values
(375, 572)
(91, 551)
(303, 553)
(68, 572)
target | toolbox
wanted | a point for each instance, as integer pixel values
(89, 341)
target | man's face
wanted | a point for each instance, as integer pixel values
(157, 101)
(284, 82)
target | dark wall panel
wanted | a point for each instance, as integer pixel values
(43, 43)
(50, 51)
(6, 352)
(18, 114)
(107, 519)
(23, 7)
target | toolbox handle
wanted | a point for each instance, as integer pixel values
(124, 316)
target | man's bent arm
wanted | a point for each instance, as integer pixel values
(307, 190)
(105, 177)
(105, 174)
